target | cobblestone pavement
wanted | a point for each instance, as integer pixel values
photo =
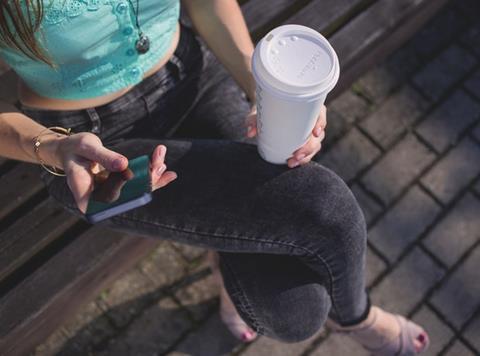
(406, 137)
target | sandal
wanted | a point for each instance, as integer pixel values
(401, 345)
(228, 313)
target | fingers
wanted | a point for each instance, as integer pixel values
(158, 158)
(321, 122)
(305, 153)
(251, 122)
(165, 179)
(80, 182)
(160, 176)
(95, 151)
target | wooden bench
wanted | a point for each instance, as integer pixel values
(52, 263)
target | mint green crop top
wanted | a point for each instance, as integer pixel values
(93, 44)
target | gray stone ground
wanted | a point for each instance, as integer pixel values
(406, 137)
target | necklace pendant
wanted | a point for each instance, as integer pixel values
(143, 44)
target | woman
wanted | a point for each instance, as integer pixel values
(129, 79)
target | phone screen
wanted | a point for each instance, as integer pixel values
(115, 188)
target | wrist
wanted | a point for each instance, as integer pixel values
(49, 151)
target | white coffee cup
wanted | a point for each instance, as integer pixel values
(294, 68)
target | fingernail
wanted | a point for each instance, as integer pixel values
(301, 156)
(317, 131)
(295, 164)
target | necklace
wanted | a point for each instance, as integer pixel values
(142, 45)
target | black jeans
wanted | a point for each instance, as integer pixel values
(291, 241)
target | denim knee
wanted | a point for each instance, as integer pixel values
(331, 216)
(295, 315)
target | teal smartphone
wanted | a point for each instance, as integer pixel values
(117, 192)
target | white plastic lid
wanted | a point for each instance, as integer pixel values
(295, 60)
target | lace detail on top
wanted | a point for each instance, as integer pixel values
(92, 44)
(59, 11)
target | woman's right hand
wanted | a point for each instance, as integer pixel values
(81, 155)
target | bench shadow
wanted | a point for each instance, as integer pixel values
(157, 326)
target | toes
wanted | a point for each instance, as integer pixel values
(249, 335)
(421, 342)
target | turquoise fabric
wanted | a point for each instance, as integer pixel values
(93, 44)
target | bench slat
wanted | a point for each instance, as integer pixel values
(324, 14)
(259, 13)
(375, 33)
(70, 279)
(17, 186)
(43, 224)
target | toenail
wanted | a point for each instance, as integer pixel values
(421, 338)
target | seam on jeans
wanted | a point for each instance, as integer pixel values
(258, 240)
(245, 301)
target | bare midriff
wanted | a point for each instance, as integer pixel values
(32, 99)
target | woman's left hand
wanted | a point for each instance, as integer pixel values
(305, 153)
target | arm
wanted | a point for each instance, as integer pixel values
(76, 154)
(17, 132)
(222, 26)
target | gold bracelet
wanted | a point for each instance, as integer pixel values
(36, 146)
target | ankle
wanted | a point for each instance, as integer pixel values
(367, 322)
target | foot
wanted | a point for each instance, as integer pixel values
(228, 312)
(383, 334)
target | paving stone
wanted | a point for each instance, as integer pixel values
(459, 295)
(477, 187)
(338, 344)
(457, 232)
(378, 83)
(473, 84)
(336, 128)
(395, 115)
(53, 345)
(440, 334)
(382, 80)
(350, 106)
(404, 223)
(164, 265)
(127, 297)
(375, 266)
(472, 333)
(404, 288)
(398, 168)
(454, 171)
(210, 338)
(268, 346)
(444, 125)
(342, 112)
(89, 327)
(469, 9)
(476, 132)
(350, 155)
(472, 38)
(444, 71)
(439, 32)
(369, 206)
(189, 252)
(200, 297)
(154, 332)
(459, 349)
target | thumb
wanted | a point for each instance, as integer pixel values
(112, 161)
